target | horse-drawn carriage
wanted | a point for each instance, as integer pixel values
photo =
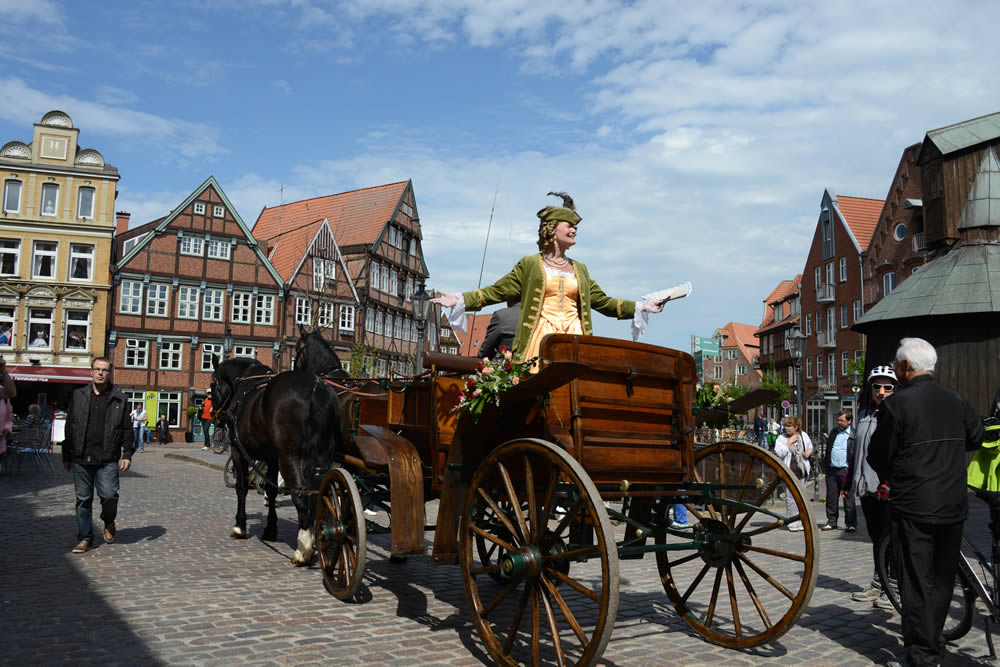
(528, 501)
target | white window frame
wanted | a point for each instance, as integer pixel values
(38, 253)
(843, 316)
(380, 368)
(389, 321)
(843, 269)
(136, 353)
(188, 302)
(207, 350)
(192, 246)
(325, 314)
(218, 211)
(888, 283)
(212, 304)
(81, 252)
(409, 289)
(199, 208)
(857, 310)
(10, 247)
(445, 333)
(346, 318)
(831, 367)
(218, 248)
(171, 356)
(818, 276)
(379, 316)
(394, 283)
(7, 188)
(79, 319)
(819, 365)
(406, 328)
(370, 320)
(38, 318)
(130, 297)
(844, 360)
(7, 322)
(397, 330)
(245, 351)
(376, 285)
(264, 310)
(413, 246)
(303, 311)
(158, 300)
(47, 190)
(386, 287)
(414, 334)
(80, 212)
(169, 403)
(809, 368)
(241, 309)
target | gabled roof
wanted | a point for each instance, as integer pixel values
(476, 325)
(861, 216)
(163, 223)
(289, 250)
(740, 336)
(966, 134)
(785, 289)
(356, 217)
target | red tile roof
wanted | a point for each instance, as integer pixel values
(356, 217)
(785, 289)
(476, 324)
(861, 215)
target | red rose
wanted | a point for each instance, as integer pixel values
(502, 349)
(506, 366)
(470, 383)
(480, 367)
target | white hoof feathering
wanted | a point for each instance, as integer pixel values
(237, 532)
(304, 553)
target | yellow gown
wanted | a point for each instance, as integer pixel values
(560, 312)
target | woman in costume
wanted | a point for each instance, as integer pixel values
(556, 292)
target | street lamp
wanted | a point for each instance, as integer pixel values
(795, 343)
(227, 343)
(421, 303)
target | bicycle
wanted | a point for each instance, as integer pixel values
(975, 580)
(256, 481)
(220, 439)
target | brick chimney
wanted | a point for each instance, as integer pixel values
(122, 218)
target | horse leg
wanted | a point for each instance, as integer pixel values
(271, 490)
(305, 542)
(242, 484)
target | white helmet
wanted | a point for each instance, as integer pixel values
(882, 371)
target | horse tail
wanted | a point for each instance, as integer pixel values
(324, 444)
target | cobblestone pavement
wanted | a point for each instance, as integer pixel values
(175, 589)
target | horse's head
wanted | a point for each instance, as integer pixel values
(315, 354)
(227, 375)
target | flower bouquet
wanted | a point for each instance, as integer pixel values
(493, 377)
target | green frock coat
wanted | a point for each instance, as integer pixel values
(526, 281)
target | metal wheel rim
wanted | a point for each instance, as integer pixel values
(738, 574)
(342, 558)
(540, 607)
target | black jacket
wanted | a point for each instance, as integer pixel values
(117, 427)
(829, 448)
(919, 446)
(501, 330)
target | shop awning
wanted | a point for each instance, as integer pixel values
(49, 374)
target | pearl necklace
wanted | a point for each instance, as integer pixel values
(556, 262)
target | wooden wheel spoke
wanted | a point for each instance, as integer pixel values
(732, 601)
(501, 516)
(694, 583)
(708, 506)
(329, 506)
(553, 535)
(572, 553)
(516, 623)
(514, 503)
(529, 485)
(767, 494)
(733, 511)
(680, 561)
(550, 490)
(779, 554)
(694, 511)
(753, 595)
(715, 597)
(500, 598)
(564, 608)
(492, 538)
(574, 584)
(766, 577)
(486, 569)
(550, 616)
(535, 629)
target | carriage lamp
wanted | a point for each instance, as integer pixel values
(421, 303)
(227, 342)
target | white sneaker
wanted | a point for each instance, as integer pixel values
(205, 448)
(869, 594)
(796, 529)
(369, 512)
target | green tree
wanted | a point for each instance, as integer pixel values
(362, 356)
(773, 380)
(732, 390)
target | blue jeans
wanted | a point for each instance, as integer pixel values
(680, 513)
(85, 478)
(137, 438)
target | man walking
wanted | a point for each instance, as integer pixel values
(98, 444)
(839, 450)
(758, 429)
(918, 448)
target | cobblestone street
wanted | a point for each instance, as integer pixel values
(175, 589)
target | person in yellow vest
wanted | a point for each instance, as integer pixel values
(556, 293)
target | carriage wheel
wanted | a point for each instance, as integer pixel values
(751, 578)
(538, 612)
(341, 537)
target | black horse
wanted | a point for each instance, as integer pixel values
(315, 354)
(289, 421)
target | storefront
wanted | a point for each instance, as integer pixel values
(46, 385)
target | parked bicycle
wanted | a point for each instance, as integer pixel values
(976, 579)
(220, 439)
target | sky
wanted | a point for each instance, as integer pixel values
(696, 138)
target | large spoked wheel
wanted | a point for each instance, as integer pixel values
(340, 534)
(749, 577)
(961, 609)
(537, 612)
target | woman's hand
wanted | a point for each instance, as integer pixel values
(447, 299)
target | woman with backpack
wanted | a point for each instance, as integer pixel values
(794, 448)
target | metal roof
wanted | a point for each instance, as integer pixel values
(964, 280)
(965, 134)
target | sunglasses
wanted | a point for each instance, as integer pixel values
(887, 388)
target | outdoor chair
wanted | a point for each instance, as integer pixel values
(33, 442)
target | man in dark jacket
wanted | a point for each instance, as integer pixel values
(836, 463)
(501, 330)
(918, 448)
(98, 444)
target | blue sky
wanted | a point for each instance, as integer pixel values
(696, 139)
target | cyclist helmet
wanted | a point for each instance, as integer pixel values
(882, 371)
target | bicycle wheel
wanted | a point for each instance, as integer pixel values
(220, 439)
(961, 610)
(229, 474)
